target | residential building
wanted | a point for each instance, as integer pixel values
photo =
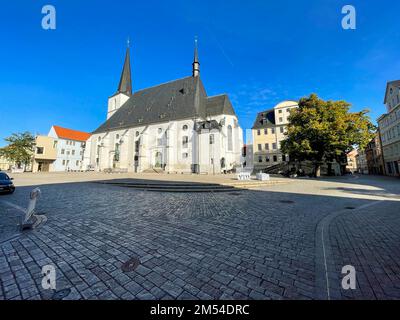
(247, 157)
(373, 153)
(389, 127)
(351, 161)
(5, 164)
(171, 127)
(361, 160)
(45, 154)
(70, 145)
(268, 132)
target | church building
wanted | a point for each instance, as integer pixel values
(172, 127)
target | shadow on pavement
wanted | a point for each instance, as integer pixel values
(245, 244)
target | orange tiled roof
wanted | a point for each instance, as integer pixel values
(70, 134)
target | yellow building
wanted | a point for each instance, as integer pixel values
(45, 154)
(389, 128)
(5, 164)
(268, 132)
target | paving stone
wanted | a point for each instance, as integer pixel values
(133, 287)
(206, 246)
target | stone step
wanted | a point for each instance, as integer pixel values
(188, 190)
(167, 187)
(173, 186)
(163, 184)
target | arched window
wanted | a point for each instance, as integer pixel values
(230, 141)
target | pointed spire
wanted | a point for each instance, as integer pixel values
(125, 84)
(196, 63)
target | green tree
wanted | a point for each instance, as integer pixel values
(325, 130)
(19, 149)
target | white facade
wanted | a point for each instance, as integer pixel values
(175, 147)
(69, 153)
(115, 102)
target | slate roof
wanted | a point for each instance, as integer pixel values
(180, 99)
(220, 104)
(265, 119)
(125, 83)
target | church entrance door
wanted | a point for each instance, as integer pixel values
(158, 160)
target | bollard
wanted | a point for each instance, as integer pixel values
(34, 195)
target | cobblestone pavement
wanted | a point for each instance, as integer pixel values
(258, 244)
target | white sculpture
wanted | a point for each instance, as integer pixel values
(244, 175)
(34, 195)
(263, 176)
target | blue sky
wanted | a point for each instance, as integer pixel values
(259, 52)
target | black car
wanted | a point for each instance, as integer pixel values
(6, 184)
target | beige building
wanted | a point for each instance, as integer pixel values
(268, 132)
(389, 127)
(352, 161)
(45, 154)
(5, 164)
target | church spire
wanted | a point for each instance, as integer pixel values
(125, 84)
(196, 63)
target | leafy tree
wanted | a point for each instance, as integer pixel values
(325, 130)
(19, 149)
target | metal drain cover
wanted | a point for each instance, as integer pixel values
(61, 294)
(235, 193)
(350, 208)
(286, 201)
(130, 265)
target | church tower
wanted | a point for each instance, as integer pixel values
(196, 63)
(124, 91)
